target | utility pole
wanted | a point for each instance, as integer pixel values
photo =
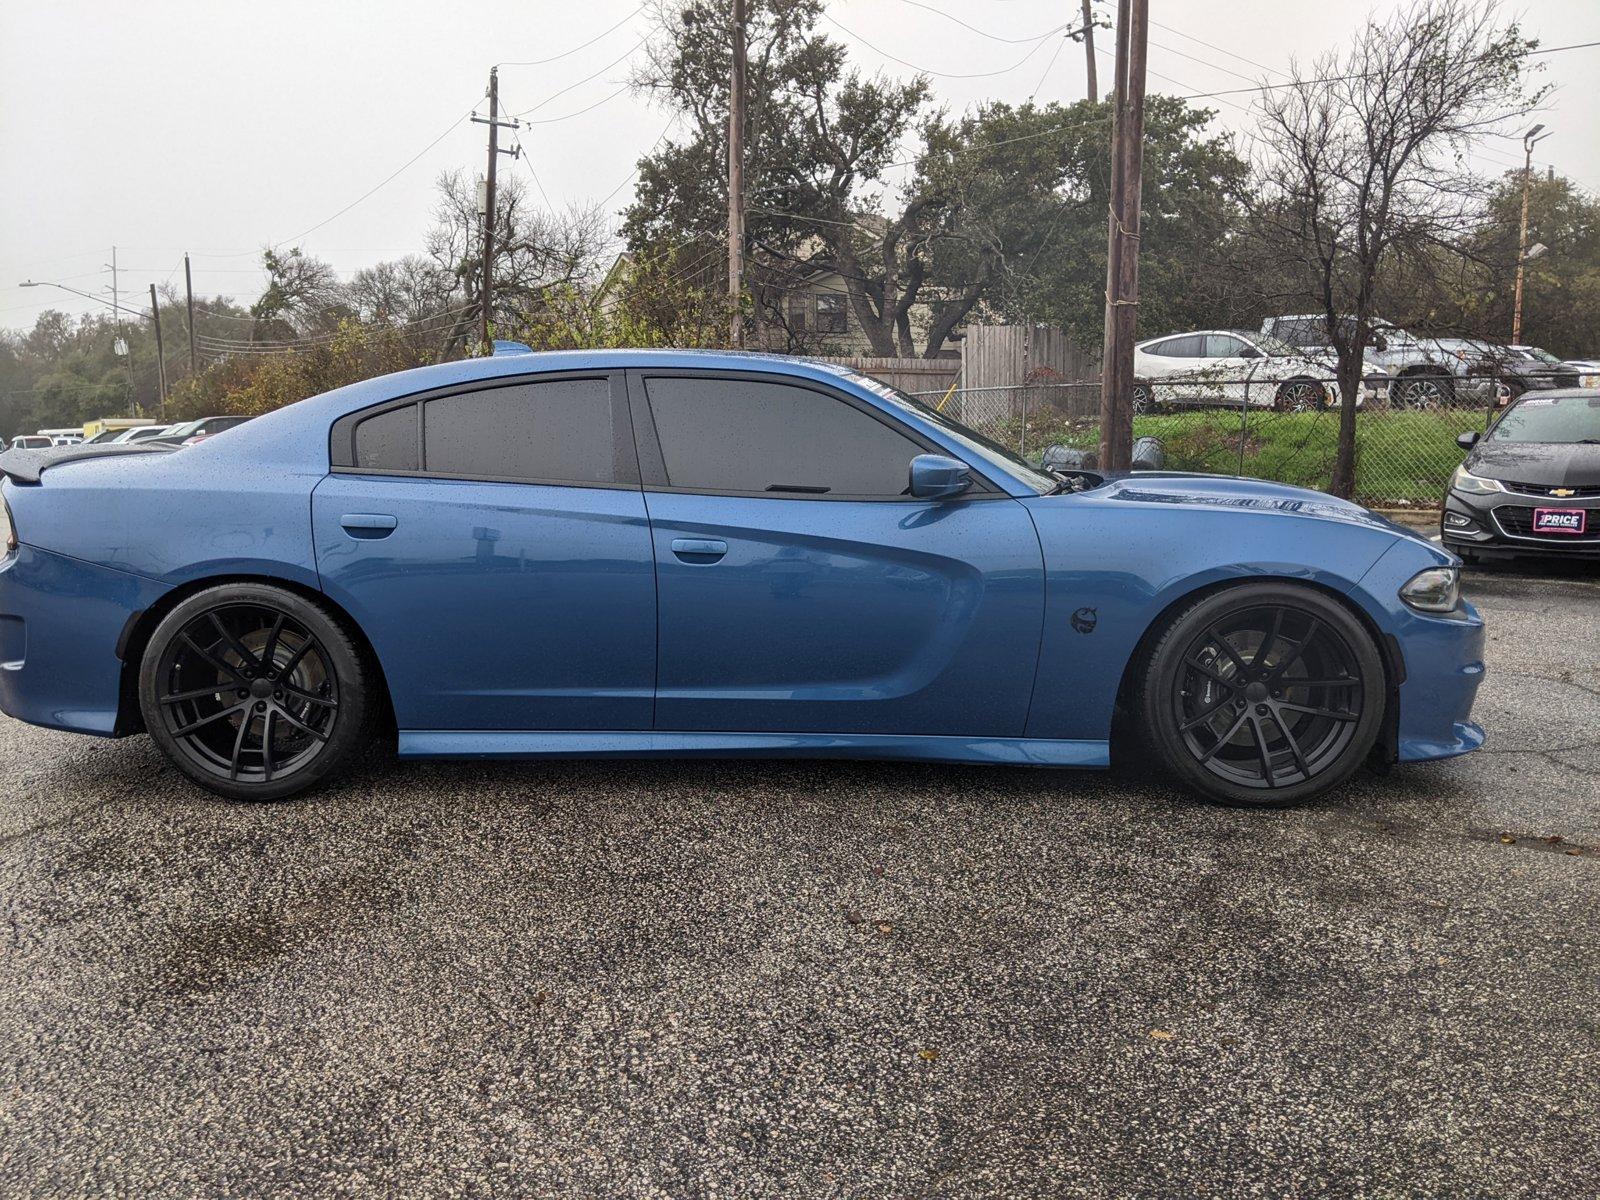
(188, 288)
(495, 124)
(1528, 141)
(1122, 239)
(736, 105)
(1088, 50)
(161, 358)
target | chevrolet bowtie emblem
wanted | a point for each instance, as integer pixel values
(1563, 492)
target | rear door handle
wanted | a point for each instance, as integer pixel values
(699, 550)
(368, 525)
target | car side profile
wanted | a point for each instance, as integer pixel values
(1228, 367)
(656, 553)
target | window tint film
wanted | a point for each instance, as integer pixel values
(388, 441)
(741, 435)
(1223, 345)
(557, 432)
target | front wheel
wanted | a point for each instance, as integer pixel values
(1424, 392)
(1263, 695)
(1144, 399)
(254, 692)
(1300, 395)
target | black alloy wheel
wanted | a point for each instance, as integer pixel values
(253, 692)
(1264, 694)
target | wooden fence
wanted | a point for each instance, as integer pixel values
(907, 374)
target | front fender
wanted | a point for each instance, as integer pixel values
(1112, 569)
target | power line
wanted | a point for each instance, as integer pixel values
(828, 17)
(557, 120)
(993, 37)
(539, 62)
(581, 82)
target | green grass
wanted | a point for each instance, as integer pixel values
(1402, 458)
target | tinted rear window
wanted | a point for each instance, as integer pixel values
(556, 432)
(388, 441)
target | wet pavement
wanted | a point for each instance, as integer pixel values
(825, 979)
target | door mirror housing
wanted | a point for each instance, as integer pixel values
(1250, 352)
(935, 477)
(1468, 440)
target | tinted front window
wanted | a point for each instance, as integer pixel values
(1551, 419)
(388, 441)
(739, 435)
(558, 432)
(1223, 345)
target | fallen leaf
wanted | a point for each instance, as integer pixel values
(1162, 1035)
(1508, 839)
(853, 917)
(885, 927)
(927, 1055)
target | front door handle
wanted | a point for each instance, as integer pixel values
(368, 526)
(699, 550)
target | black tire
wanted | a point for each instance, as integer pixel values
(1280, 733)
(1300, 395)
(241, 663)
(1426, 393)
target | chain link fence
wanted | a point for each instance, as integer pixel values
(1405, 436)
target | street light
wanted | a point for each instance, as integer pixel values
(1529, 139)
(85, 295)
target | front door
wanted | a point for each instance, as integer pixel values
(493, 544)
(803, 590)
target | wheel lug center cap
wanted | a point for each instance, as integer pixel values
(261, 688)
(1256, 692)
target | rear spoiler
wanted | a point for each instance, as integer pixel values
(25, 466)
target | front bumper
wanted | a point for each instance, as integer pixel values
(1501, 523)
(60, 623)
(1437, 660)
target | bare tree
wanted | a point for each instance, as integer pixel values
(1360, 162)
(535, 251)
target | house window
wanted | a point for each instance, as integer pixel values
(798, 305)
(831, 313)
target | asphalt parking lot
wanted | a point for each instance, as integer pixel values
(779, 979)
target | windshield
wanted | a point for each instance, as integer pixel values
(984, 448)
(1555, 419)
(186, 429)
(1543, 356)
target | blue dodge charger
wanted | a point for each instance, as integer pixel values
(674, 553)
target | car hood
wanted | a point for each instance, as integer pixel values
(1551, 464)
(1249, 495)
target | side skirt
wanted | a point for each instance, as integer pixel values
(645, 743)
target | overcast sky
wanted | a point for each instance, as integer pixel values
(219, 127)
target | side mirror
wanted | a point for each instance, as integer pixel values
(935, 477)
(1468, 440)
(1250, 352)
(1379, 342)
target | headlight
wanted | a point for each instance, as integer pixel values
(8, 532)
(1436, 590)
(1474, 485)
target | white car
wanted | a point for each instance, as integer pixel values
(140, 434)
(32, 441)
(1229, 367)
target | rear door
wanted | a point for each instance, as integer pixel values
(803, 590)
(1175, 364)
(492, 542)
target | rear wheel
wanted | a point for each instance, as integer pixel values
(254, 692)
(1264, 694)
